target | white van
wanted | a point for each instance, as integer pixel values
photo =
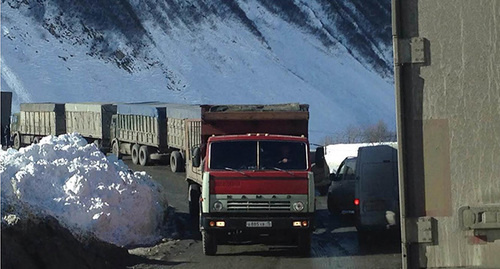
(376, 191)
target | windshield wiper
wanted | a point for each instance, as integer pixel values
(282, 170)
(236, 170)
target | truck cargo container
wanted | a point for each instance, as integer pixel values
(447, 81)
(244, 188)
(92, 121)
(37, 120)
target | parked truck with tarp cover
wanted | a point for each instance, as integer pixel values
(249, 172)
(37, 120)
(92, 121)
(447, 78)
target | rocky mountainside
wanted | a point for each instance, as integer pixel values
(335, 55)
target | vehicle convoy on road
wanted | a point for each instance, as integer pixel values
(249, 175)
(447, 94)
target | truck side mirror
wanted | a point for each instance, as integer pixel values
(196, 158)
(319, 158)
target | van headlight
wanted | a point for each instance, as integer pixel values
(218, 206)
(298, 206)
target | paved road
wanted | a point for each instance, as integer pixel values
(334, 243)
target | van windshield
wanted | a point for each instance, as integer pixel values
(258, 155)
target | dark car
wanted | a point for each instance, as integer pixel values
(341, 190)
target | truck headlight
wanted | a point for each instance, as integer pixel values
(218, 206)
(298, 206)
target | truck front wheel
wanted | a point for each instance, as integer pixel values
(176, 162)
(304, 244)
(144, 157)
(17, 141)
(209, 243)
(135, 153)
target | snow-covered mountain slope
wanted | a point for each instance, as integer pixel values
(335, 56)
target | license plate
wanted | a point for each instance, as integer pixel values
(259, 224)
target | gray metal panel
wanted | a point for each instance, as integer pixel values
(449, 111)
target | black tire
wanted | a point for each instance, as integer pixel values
(363, 238)
(135, 153)
(209, 243)
(116, 149)
(331, 206)
(144, 157)
(304, 244)
(17, 141)
(176, 162)
(194, 200)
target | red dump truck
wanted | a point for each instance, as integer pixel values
(249, 175)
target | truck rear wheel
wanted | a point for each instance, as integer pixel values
(144, 157)
(176, 162)
(304, 244)
(17, 141)
(135, 153)
(116, 149)
(209, 243)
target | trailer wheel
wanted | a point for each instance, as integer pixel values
(116, 149)
(17, 141)
(304, 243)
(144, 157)
(135, 153)
(209, 243)
(176, 162)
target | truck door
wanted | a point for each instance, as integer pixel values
(448, 90)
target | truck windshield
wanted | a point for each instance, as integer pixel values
(258, 155)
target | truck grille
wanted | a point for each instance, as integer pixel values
(246, 205)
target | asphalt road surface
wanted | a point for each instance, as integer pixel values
(334, 242)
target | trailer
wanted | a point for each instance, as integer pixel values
(148, 131)
(447, 80)
(249, 172)
(92, 121)
(37, 120)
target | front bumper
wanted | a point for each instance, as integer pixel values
(241, 222)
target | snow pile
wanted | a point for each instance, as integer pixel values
(336, 153)
(86, 191)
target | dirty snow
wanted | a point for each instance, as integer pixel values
(86, 191)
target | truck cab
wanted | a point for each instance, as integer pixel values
(257, 187)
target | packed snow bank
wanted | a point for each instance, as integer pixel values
(336, 153)
(86, 191)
